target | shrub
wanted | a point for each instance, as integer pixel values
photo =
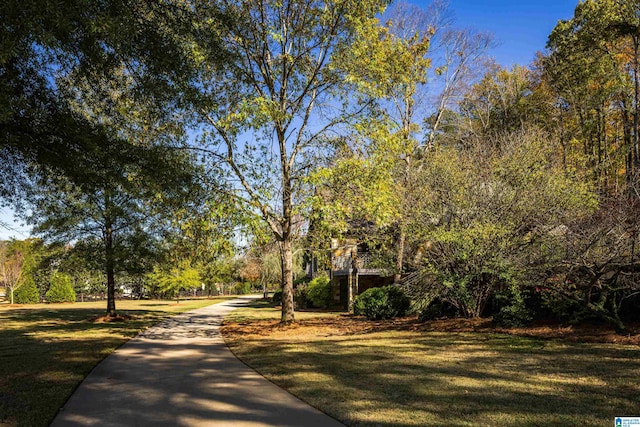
(277, 297)
(513, 312)
(319, 292)
(242, 288)
(300, 298)
(301, 280)
(565, 308)
(381, 303)
(438, 309)
(512, 316)
(27, 293)
(61, 289)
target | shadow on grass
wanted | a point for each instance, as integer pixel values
(267, 303)
(454, 379)
(261, 303)
(46, 352)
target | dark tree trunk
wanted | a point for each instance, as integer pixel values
(109, 267)
(400, 254)
(636, 101)
(628, 143)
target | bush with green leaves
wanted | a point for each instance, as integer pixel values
(498, 216)
(382, 303)
(277, 297)
(300, 297)
(181, 277)
(513, 316)
(320, 292)
(301, 281)
(438, 309)
(27, 293)
(242, 288)
(61, 289)
(513, 311)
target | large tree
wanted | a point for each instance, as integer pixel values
(368, 180)
(270, 110)
(119, 216)
(90, 171)
(372, 176)
(593, 69)
(123, 182)
(44, 41)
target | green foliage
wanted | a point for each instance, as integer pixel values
(488, 217)
(99, 169)
(564, 306)
(27, 293)
(181, 277)
(381, 303)
(217, 271)
(320, 292)
(594, 74)
(300, 297)
(302, 280)
(385, 65)
(437, 309)
(45, 43)
(61, 289)
(513, 311)
(500, 102)
(31, 272)
(242, 288)
(277, 118)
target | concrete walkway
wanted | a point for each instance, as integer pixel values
(180, 373)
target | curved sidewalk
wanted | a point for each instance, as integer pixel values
(181, 373)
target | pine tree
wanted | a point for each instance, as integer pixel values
(61, 289)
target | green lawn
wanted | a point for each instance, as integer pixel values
(389, 377)
(47, 350)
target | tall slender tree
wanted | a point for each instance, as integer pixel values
(273, 106)
(592, 66)
(11, 263)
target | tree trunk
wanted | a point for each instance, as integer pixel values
(287, 281)
(628, 144)
(109, 266)
(636, 111)
(400, 254)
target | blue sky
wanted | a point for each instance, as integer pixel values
(17, 230)
(521, 29)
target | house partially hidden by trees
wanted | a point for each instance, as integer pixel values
(351, 270)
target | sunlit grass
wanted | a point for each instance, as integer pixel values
(417, 378)
(261, 310)
(46, 350)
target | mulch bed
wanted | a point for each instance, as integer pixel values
(354, 325)
(109, 319)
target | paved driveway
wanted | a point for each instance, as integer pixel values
(180, 373)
